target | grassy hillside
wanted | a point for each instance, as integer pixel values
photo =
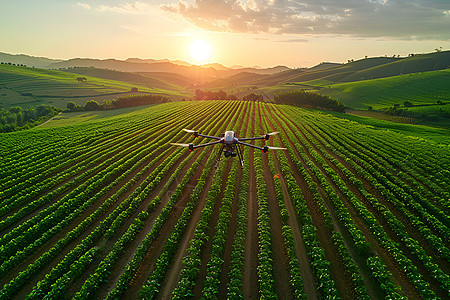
(30, 86)
(413, 64)
(437, 135)
(417, 88)
(364, 69)
(133, 78)
(172, 78)
(77, 118)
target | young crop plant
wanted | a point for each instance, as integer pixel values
(104, 207)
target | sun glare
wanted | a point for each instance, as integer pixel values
(200, 50)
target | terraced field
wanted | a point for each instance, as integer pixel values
(108, 209)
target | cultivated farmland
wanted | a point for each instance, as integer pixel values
(108, 209)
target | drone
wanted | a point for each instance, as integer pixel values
(230, 144)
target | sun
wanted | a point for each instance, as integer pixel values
(200, 50)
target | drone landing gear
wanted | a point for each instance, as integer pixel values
(238, 150)
(220, 155)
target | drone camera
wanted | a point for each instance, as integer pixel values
(195, 134)
(230, 153)
(267, 137)
(265, 149)
(191, 147)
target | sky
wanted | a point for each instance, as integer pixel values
(300, 33)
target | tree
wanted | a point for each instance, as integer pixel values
(71, 106)
(407, 104)
(92, 105)
(199, 94)
(221, 95)
(253, 97)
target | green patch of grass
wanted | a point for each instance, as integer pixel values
(428, 110)
(75, 118)
(48, 85)
(417, 88)
(128, 77)
(435, 134)
(317, 82)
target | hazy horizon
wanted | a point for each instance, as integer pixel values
(249, 33)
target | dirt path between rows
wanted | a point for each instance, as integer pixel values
(225, 279)
(399, 276)
(280, 258)
(250, 286)
(207, 247)
(367, 232)
(337, 268)
(174, 271)
(308, 280)
(166, 230)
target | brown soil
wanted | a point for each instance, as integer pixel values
(158, 244)
(407, 288)
(309, 286)
(280, 257)
(250, 286)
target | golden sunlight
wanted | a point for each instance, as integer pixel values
(200, 50)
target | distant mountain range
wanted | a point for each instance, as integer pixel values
(217, 76)
(364, 69)
(200, 73)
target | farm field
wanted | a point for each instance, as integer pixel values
(24, 86)
(108, 209)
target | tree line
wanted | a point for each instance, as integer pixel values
(309, 99)
(18, 118)
(209, 95)
(120, 102)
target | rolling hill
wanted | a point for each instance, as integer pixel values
(133, 78)
(26, 86)
(368, 68)
(377, 82)
(417, 88)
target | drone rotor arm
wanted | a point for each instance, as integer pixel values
(252, 138)
(266, 136)
(208, 136)
(250, 145)
(206, 144)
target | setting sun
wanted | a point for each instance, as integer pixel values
(200, 50)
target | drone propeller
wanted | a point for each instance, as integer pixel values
(267, 135)
(189, 130)
(191, 146)
(265, 149)
(276, 148)
(181, 145)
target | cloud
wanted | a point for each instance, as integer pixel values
(129, 8)
(84, 5)
(403, 19)
(294, 41)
